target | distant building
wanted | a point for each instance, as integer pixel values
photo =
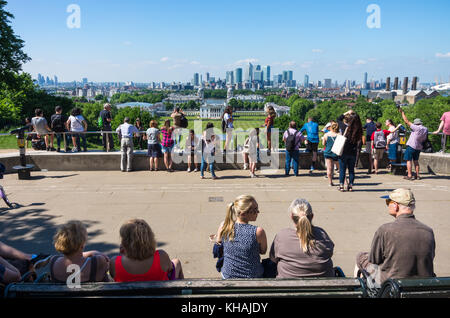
(327, 83)
(306, 81)
(238, 75)
(248, 75)
(280, 110)
(212, 111)
(266, 72)
(196, 79)
(230, 78)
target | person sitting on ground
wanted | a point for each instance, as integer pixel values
(302, 250)
(40, 126)
(154, 144)
(139, 260)
(70, 240)
(242, 243)
(330, 157)
(404, 248)
(190, 146)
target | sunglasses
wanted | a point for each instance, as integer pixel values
(389, 201)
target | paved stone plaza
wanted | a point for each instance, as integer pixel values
(183, 210)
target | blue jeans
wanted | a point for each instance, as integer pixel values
(59, 138)
(83, 140)
(347, 161)
(292, 156)
(203, 167)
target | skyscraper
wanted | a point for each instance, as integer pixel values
(238, 75)
(85, 81)
(56, 80)
(196, 80)
(248, 76)
(230, 78)
(365, 81)
(306, 82)
(327, 83)
(258, 76)
(266, 72)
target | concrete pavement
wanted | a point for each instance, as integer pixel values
(183, 210)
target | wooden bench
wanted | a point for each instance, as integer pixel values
(438, 287)
(306, 287)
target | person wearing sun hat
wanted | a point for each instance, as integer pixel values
(404, 248)
(419, 134)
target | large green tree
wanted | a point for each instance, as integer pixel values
(12, 57)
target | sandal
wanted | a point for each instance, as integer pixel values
(408, 178)
(350, 188)
(341, 188)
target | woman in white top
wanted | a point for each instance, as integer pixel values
(228, 119)
(78, 125)
(392, 141)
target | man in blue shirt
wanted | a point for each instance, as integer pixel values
(312, 142)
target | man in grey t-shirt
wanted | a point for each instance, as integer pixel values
(404, 248)
(40, 126)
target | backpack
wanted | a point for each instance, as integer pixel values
(57, 124)
(379, 140)
(100, 122)
(183, 121)
(427, 146)
(290, 141)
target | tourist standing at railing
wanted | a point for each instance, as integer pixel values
(106, 118)
(77, 125)
(445, 125)
(392, 141)
(140, 136)
(57, 123)
(167, 144)
(126, 132)
(292, 139)
(347, 160)
(312, 140)
(227, 121)
(209, 146)
(154, 145)
(191, 144)
(269, 123)
(302, 250)
(177, 115)
(414, 145)
(242, 242)
(41, 128)
(369, 127)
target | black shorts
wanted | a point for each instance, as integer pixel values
(154, 151)
(312, 146)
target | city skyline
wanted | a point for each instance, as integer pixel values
(148, 45)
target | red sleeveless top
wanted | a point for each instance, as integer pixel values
(155, 272)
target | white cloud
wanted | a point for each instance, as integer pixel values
(361, 62)
(246, 61)
(317, 50)
(164, 59)
(443, 55)
(195, 63)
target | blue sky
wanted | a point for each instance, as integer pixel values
(147, 40)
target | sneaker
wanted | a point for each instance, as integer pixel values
(68, 149)
(74, 150)
(189, 170)
(58, 150)
(52, 149)
(245, 166)
(195, 170)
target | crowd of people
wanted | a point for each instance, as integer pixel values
(201, 150)
(404, 248)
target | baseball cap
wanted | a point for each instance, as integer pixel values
(402, 196)
(417, 121)
(327, 125)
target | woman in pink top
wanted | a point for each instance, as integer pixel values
(445, 124)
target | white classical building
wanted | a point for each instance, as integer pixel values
(212, 111)
(280, 110)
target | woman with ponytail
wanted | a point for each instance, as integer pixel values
(302, 250)
(242, 243)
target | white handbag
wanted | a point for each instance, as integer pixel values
(339, 142)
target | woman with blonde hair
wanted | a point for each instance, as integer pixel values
(302, 250)
(139, 260)
(242, 243)
(70, 240)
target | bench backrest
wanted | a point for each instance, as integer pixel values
(307, 287)
(416, 288)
